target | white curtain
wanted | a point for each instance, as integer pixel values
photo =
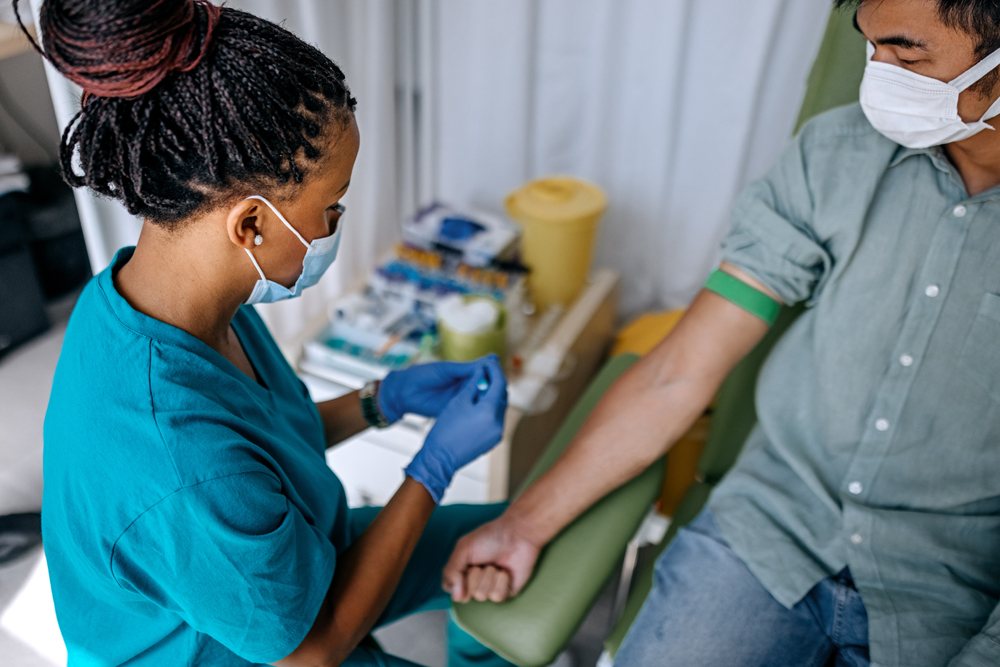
(670, 105)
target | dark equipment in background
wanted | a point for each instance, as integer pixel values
(56, 237)
(22, 305)
(42, 254)
(19, 534)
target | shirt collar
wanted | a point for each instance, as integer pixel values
(164, 333)
(138, 322)
(935, 153)
(940, 161)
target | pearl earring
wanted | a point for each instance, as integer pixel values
(258, 239)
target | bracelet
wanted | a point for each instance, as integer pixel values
(749, 299)
(369, 405)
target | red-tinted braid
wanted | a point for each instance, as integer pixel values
(162, 38)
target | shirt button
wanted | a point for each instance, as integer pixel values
(857, 539)
(882, 424)
(855, 488)
(906, 360)
(932, 291)
(960, 211)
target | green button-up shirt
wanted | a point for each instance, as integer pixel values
(878, 445)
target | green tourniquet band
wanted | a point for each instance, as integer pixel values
(749, 299)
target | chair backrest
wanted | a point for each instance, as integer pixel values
(833, 81)
(835, 77)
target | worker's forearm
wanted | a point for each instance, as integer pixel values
(342, 418)
(641, 416)
(367, 573)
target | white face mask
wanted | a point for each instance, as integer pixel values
(918, 111)
(319, 256)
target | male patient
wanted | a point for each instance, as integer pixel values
(863, 518)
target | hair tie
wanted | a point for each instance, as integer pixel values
(147, 46)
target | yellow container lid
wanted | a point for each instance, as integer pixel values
(556, 199)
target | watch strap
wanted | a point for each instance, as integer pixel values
(369, 405)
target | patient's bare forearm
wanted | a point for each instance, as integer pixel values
(648, 409)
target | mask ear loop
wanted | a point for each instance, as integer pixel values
(976, 72)
(255, 264)
(282, 218)
(287, 224)
(973, 75)
(992, 112)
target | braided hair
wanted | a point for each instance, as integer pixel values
(187, 104)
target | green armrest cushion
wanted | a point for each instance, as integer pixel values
(531, 629)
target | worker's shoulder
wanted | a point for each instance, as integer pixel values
(103, 455)
(100, 356)
(100, 413)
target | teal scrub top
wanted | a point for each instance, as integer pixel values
(189, 516)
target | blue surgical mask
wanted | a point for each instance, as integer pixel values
(319, 256)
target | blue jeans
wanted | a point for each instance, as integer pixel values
(706, 608)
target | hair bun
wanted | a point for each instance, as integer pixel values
(124, 48)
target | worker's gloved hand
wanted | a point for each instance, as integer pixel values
(424, 389)
(470, 425)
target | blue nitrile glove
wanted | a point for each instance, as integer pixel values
(424, 389)
(469, 426)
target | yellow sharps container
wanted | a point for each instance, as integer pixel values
(559, 216)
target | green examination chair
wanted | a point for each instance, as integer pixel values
(834, 81)
(531, 629)
(534, 627)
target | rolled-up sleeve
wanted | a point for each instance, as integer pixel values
(772, 238)
(234, 559)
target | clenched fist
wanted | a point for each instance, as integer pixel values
(493, 562)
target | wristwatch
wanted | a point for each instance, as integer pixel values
(369, 405)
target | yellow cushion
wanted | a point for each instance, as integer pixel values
(642, 334)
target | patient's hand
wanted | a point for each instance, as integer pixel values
(492, 562)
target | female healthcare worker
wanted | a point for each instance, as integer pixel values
(189, 515)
